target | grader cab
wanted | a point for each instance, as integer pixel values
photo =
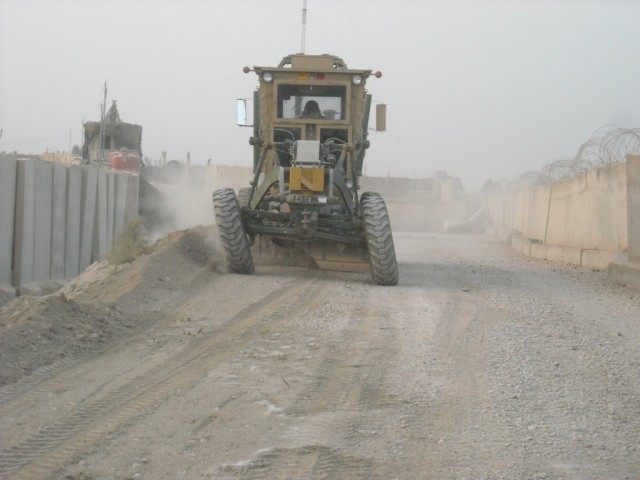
(310, 136)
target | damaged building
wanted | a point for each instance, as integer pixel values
(109, 135)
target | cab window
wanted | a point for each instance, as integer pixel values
(339, 134)
(331, 100)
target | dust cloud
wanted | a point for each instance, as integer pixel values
(180, 196)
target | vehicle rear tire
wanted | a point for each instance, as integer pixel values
(382, 253)
(231, 231)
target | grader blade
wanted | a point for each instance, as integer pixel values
(325, 256)
(338, 257)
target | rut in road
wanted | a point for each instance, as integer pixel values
(54, 445)
(21, 397)
(344, 394)
(54, 375)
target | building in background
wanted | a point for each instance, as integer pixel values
(112, 142)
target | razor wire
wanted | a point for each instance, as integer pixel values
(608, 145)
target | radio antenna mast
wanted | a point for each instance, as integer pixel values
(304, 25)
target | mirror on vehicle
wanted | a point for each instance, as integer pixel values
(381, 117)
(241, 112)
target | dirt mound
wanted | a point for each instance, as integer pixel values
(105, 303)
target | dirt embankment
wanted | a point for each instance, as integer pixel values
(105, 303)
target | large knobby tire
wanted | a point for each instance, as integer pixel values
(232, 235)
(382, 253)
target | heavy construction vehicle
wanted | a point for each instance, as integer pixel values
(310, 136)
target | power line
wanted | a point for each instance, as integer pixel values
(35, 141)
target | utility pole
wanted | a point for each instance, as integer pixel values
(102, 113)
(304, 25)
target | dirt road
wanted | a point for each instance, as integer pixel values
(479, 365)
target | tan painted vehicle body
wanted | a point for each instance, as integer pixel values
(310, 136)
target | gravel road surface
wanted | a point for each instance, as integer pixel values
(480, 364)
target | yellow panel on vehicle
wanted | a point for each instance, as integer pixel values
(307, 178)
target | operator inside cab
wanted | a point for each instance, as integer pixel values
(311, 110)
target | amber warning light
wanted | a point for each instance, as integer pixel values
(246, 69)
(378, 74)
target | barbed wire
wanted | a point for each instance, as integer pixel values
(608, 145)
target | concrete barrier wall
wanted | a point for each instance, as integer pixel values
(583, 220)
(55, 220)
(72, 223)
(58, 217)
(24, 222)
(633, 207)
(8, 174)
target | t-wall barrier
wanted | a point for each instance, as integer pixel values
(55, 220)
(591, 220)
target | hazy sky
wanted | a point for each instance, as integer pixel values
(482, 89)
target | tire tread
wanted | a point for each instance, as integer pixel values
(234, 240)
(382, 254)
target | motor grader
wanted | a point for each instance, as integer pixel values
(310, 136)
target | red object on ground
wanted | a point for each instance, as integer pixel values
(125, 159)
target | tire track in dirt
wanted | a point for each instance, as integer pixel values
(42, 374)
(58, 374)
(348, 376)
(349, 397)
(308, 462)
(346, 387)
(52, 446)
(458, 343)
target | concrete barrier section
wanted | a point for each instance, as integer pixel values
(535, 212)
(600, 259)
(120, 212)
(73, 222)
(132, 196)
(111, 200)
(8, 174)
(100, 235)
(55, 220)
(58, 220)
(627, 271)
(87, 215)
(633, 206)
(581, 221)
(24, 223)
(42, 217)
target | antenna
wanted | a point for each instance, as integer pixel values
(304, 24)
(102, 114)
